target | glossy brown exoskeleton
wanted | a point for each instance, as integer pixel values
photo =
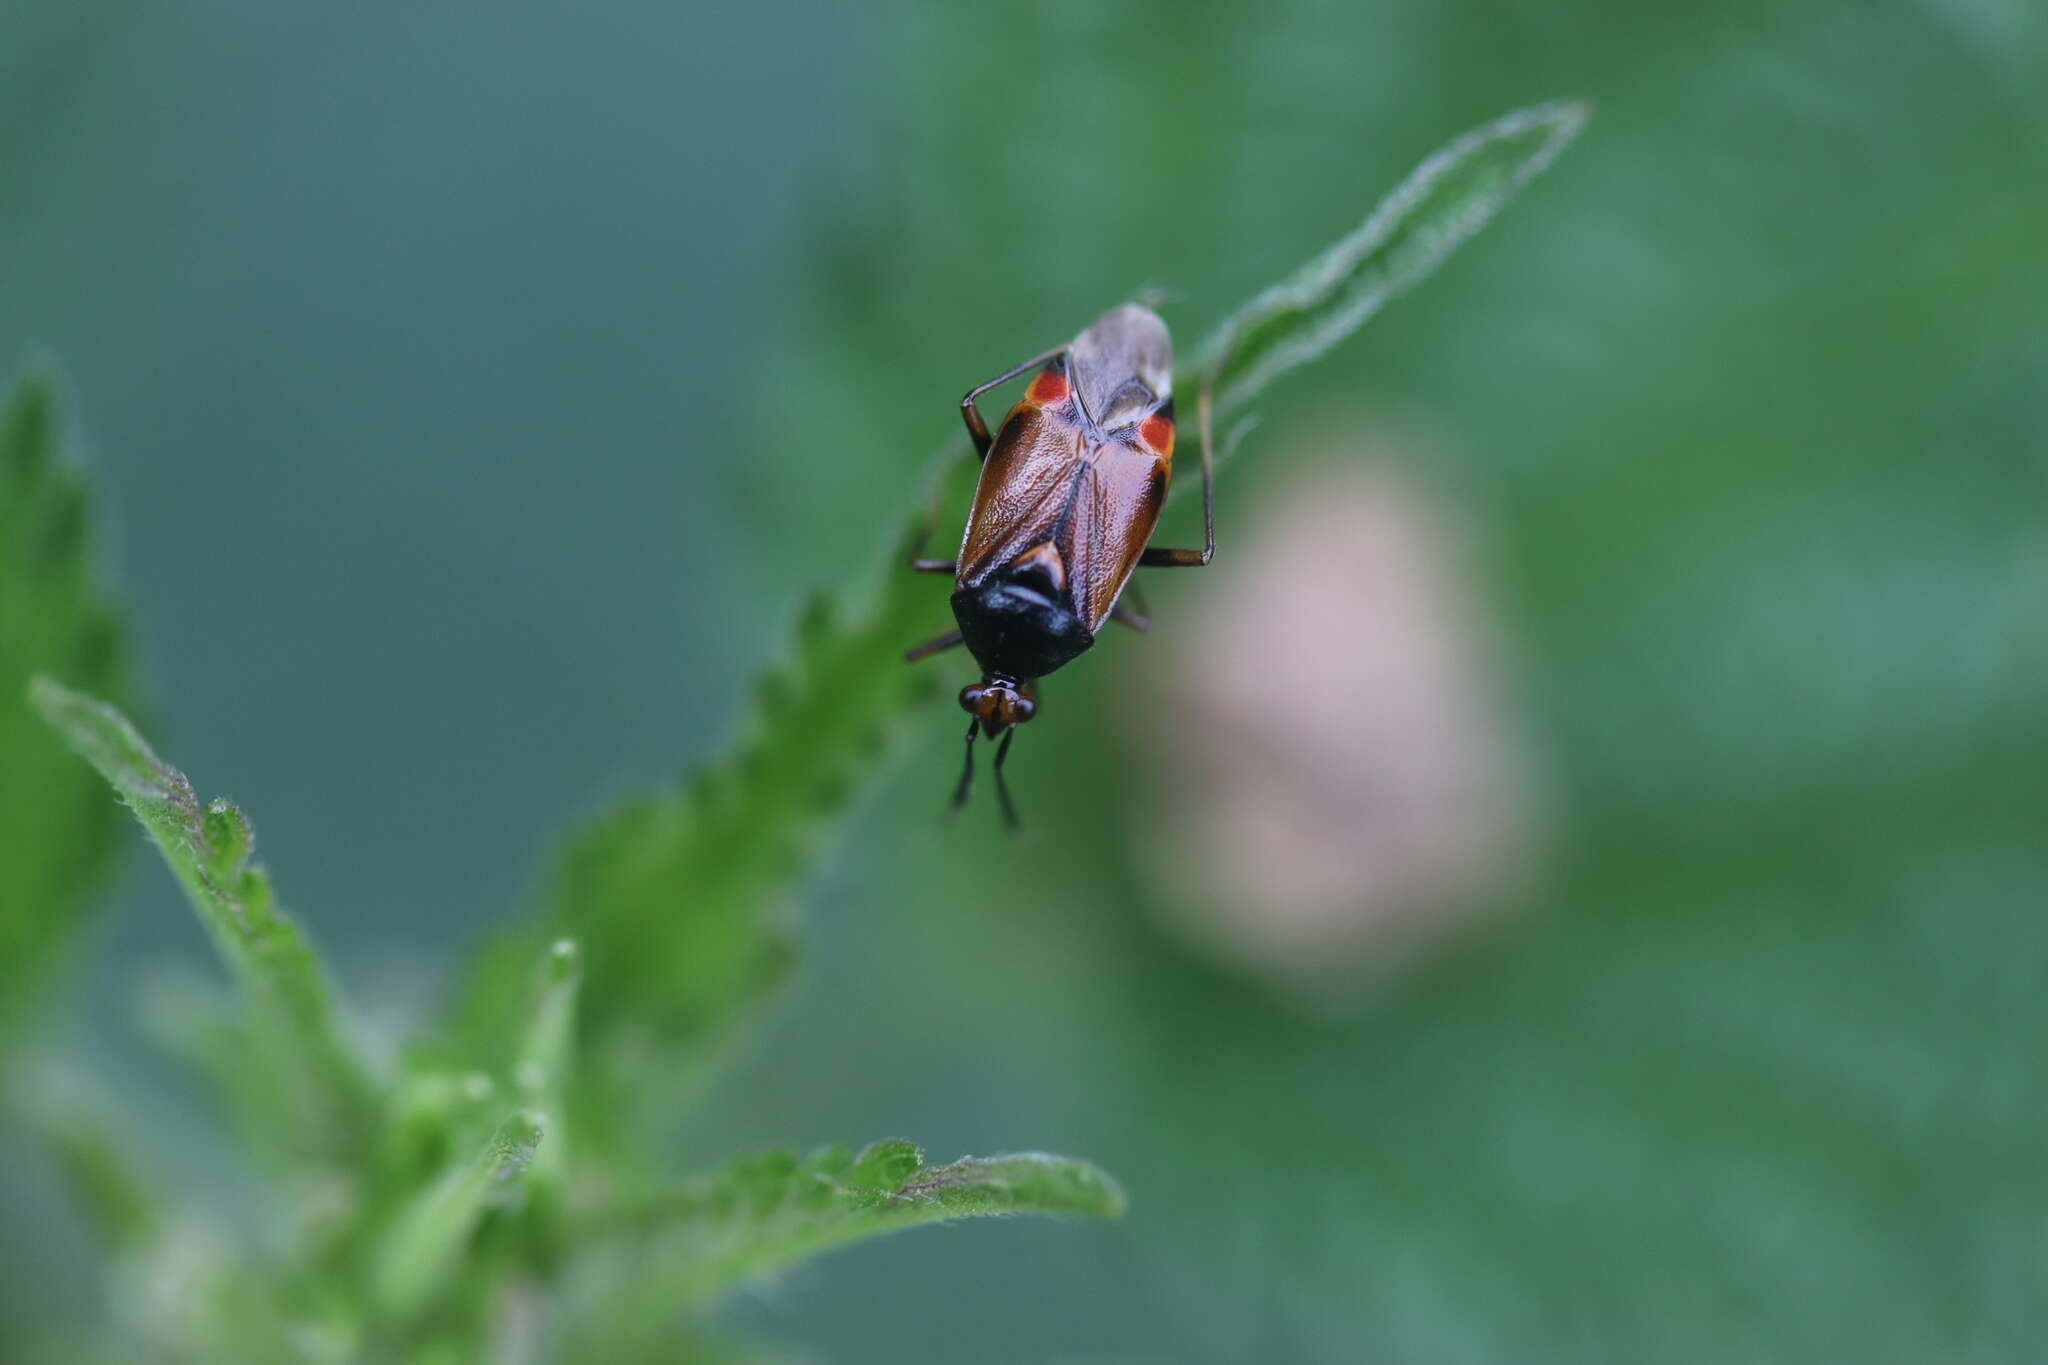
(1071, 487)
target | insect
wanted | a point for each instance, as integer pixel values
(1070, 490)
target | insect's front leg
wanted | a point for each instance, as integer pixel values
(932, 646)
(977, 429)
(918, 564)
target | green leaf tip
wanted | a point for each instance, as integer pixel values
(1019, 1182)
(28, 427)
(209, 853)
(884, 1165)
(563, 965)
(229, 841)
(512, 1145)
(1453, 193)
(547, 1048)
(103, 737)
(768, 1212)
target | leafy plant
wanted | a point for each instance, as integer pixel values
(61, 831)
(499, 1192)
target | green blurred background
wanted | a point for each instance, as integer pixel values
(479, 388)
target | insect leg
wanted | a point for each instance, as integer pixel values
(932, 646)
(970, 414)
(1002, 787)
(1188, 559)
(918, 563)
(1138, 616)
(967, 772)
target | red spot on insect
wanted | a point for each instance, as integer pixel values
(1158, 433)
(1050, 387)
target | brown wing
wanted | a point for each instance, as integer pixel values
(1026, 479)
(1081, 506)
(1116, 508)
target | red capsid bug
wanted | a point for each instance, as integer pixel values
(1070, 491)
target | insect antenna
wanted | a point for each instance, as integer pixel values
(1010, 821)
(966, 773)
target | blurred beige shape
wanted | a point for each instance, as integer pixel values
(1338, 779)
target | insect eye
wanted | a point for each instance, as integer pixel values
(970, 697)
(1025, 709)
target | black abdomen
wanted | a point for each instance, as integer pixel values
(1015, 629)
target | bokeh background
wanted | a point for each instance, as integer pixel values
(1611, 927)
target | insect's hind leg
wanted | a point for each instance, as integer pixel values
(1137, 617)
(1190, 559)
(977, 429)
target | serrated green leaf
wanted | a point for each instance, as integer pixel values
(679, 895)
(1445, 200)
(767, 1213)
(62, 833)
(296, 1023)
